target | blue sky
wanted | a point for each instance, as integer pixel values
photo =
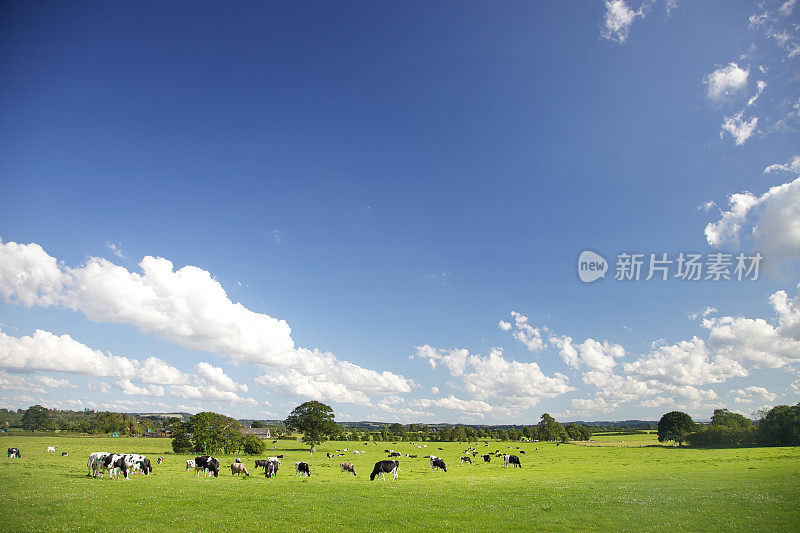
(238, 208)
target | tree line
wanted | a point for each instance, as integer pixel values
(779, 426)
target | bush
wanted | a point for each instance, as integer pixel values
(253, 445)
(722, 436)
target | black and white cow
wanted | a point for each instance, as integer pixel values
(160, 460)
(115, 464)
(14, 452)
(438, 462)
(512, 460)
(271, 470)
(395, 454)
(300, 468)
(486, 459)
(385, 467)
(139, 462)
(466, 459)
(207, 464)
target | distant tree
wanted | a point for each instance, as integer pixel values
(37, 418)
(573, 431)
(397, 429)
(586, 432)
(258, 424)
(253, 445)
(549, 429)
(674, 426)
(723, 417)
(315, 420)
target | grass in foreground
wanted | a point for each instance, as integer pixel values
(566, 487)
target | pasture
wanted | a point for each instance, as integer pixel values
(567, 487)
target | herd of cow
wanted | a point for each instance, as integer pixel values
(127, 464)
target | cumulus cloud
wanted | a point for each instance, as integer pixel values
(753, 393)
(685, 363)
(618, 19)
(590, 353)
(515, 384)
(774, 221)
(726, 81)
(738, 128)
(186, 306)
(453, 403)
(756, 341)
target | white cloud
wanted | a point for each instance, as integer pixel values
(685, 363)
(128, 388)
(16, 382)
(726, 81)
(434, 390)
(787, 7)
(514, 384)
(792, 166)
(738, 128)
(453, 403)
(505, 326)
(756, 341)
(619, 18)
(186, 306)
(776, 228)
(761, 85)
(116, 247)
(757, 19)
(590, 353)
(218, 377)
(528, 335)
(46, 351)
(753, 393)
(54, 383)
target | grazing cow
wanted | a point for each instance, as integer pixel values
(411, 455)
(466, 459)
(271, 470)
(95, 462)
(206, 464)
(14, 452)
(116, 464)
(385, 467)
(438, 462)
(512, 460)
(189, 464)
(160, 460)
(522, 451)
(64, 454)
(51, 449)
(347, 467)
(300, 468)
(328, 455)
(261, 462)
(275, 459)
(239, 469)
(139, 462)
(388, 451)
(279, 456)
(395, 454)
(486, 459)
(474, 453)
(441, 449)
(356, 452)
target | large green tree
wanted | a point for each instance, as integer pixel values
(549, 429)
(314, 420)
(780, 426)
(674, 426)
(213, 432)
(37, 418)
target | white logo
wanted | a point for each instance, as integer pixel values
(591, 266)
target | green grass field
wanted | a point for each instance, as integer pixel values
(645, 487)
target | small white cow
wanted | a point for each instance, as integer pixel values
(51, 449)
